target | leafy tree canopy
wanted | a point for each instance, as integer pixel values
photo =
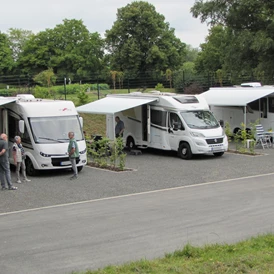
(68, 48)
(248, 33)
(141, 41)
(6, 60)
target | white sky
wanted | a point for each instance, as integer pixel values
(97, 15)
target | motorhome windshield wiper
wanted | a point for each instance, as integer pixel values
(51, 139)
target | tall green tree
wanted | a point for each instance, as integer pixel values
(251, 27)
(6, 60)
(17, 39)
(141, 41)
(69, 49)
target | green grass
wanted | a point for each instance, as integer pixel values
(253, 256)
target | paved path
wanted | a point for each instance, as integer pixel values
(114, 230)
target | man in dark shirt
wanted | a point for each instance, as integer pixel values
(119, 128)
(4, 163)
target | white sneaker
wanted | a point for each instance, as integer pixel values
(27, 180)
(18, 182)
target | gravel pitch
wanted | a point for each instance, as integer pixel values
(153, 170)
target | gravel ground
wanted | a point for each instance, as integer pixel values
(152, 170)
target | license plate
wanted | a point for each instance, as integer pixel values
(218, 148)
(66, 163)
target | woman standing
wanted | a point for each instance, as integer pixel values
(19, 159)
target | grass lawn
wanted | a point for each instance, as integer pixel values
(253, 256)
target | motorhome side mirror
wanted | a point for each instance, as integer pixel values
(81, 121)
(175, 126)
(22, 126)
(221, 123)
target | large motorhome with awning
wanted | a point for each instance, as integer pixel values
(246, 104)
(165, 121)
(43, 126)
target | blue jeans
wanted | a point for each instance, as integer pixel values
(5, 174)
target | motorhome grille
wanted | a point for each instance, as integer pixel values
(214, 141)
(59, 161)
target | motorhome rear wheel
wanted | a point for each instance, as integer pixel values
(130, 143)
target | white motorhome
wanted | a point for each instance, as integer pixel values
(43, 126)
(248, 104)
(165, 121)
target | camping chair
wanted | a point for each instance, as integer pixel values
(262, 138)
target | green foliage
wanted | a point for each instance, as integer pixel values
(6, 60)
(45, 78)
(40, 92)
(117, 154)
(106, 154)
(18, 38)
(99, 151)
(241, 138)
(83, 98)
(67, 48)
(159, 87)
(141, 41)
(243, 41)
(251, 256)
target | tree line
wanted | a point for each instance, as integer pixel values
(142, 47)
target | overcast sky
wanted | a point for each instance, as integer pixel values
(97, 15)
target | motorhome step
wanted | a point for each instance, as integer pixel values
(135, 152)
(143, 147)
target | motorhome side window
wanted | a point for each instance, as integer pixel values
(158, 117)
(175, 121)
(14, 130)
(271, 104)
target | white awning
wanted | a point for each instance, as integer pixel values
(236, 96)
(5, 100)
(112, 105)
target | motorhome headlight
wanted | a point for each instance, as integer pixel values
(83, 151)
(197, 134)
(44, 154)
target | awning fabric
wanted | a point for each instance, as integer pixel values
(4, 101)
(235, 96)
(111, 105)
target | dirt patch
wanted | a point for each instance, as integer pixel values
(245, 153)
(108, 167)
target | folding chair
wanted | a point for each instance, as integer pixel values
(262, 138)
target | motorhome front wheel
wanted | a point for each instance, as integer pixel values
(184, 151)
(30, 170)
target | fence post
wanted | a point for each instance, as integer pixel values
(65, 87)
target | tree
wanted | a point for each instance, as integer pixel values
(17, 39)
(46, 78)
(250, 24)
(113, 74)
(169, 77)
(6, 60)
(141, 41)
(69, 49)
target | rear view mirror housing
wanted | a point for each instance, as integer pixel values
(22, 126)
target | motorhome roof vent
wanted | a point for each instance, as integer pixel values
(251, 84)
(25, 97)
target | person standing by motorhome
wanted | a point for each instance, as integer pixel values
(73, 153)
(119, 128)
(4, 163)
(19, 159)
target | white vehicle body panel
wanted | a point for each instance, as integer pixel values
(47, 123)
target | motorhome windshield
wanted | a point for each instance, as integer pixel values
(200, 119)
(55, 129)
